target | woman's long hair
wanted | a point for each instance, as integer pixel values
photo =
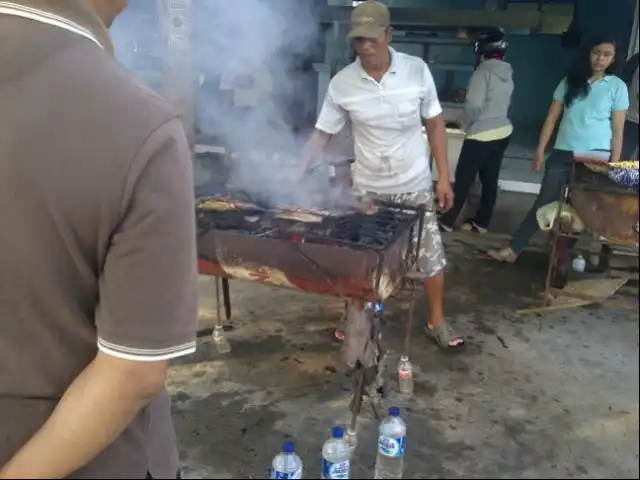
(578, 76)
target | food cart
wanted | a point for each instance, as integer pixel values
(604, 197)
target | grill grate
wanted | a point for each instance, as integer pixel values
(356, 230)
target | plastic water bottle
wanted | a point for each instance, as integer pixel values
(405, 376)
(220, 340)
(391, 444)
(287, 465)
(579, 263)
(336, 456)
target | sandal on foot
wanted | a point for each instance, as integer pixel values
(444, 228)
(339, 335)
(444, 336)
(473, 227)
(506, 255)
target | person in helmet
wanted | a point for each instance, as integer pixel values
(488, 130)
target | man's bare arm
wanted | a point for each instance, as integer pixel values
(437, 135)
(94, 411)
(314, 146)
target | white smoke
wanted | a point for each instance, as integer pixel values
(248, 56)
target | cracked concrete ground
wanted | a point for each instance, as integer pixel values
(532, 396)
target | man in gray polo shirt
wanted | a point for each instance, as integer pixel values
(388, 96)
(98, 275)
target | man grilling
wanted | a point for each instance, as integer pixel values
(385, 95)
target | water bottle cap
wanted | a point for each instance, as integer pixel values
(288, 447)
(337, 432)
(394, 411)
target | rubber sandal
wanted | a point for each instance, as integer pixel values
(473, 227)
(443, 228)
(506, 255)
(443, 336)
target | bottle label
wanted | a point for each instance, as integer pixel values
(404, 374)
(335, 470)
(286, 476)
(391, 447)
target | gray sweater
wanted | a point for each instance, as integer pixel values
(488, 97)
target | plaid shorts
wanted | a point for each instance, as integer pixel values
(431, 258)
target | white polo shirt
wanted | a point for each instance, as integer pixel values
(391, 154)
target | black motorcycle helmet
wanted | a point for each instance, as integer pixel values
(491, 43)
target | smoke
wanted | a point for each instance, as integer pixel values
(250, 53)
(255, 83)
(253, 88)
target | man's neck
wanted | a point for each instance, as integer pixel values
(377, 69)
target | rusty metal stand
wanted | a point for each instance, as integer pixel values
(561, 232)
(219, 338)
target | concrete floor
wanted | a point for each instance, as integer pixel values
(532, 397)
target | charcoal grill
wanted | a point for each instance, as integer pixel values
(353, 255)
(356, 255)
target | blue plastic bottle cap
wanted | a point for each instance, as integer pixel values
(394, 411)
(337, 432)
(288, 447)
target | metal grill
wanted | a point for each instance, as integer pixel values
(354, 230)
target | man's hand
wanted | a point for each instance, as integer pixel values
(444, 194)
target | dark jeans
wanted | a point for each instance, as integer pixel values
(483, 159)
(557, 173)
(630, 140)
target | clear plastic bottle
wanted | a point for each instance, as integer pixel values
(405, 376)
(222, 344)
(391, 444)
(579, 263)
(336, 456)
(287, 465)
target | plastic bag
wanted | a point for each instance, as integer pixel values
(546, 216)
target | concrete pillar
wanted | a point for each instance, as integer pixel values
(178, 75)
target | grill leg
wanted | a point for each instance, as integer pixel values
(219, 338)
(226, 295)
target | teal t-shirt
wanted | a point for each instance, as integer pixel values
(586, 124)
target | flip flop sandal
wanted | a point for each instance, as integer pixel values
(444, 337)
(444, 228)
(473, 227)
(506, 255)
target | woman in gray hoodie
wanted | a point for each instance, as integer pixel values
(488, 130)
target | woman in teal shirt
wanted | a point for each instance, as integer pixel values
(592, 103)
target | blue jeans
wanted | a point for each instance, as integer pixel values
(557, 172)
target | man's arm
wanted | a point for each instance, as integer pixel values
(147, 314)
(314, 146)
(437, 136)
(93, 412)
(331, 120)
(431, 113)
